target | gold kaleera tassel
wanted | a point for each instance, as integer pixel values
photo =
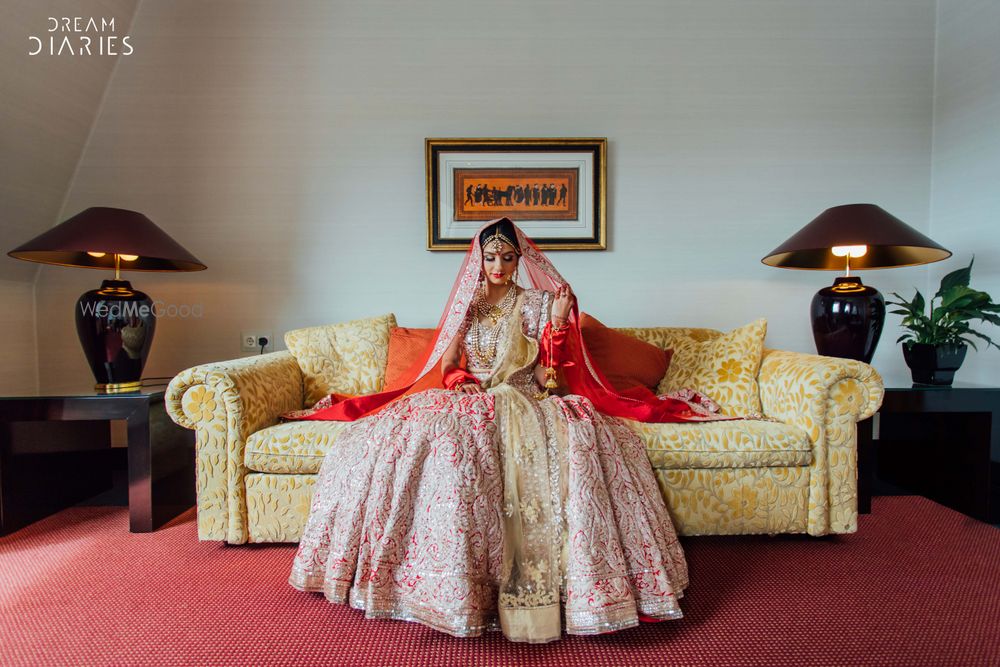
(550, 376)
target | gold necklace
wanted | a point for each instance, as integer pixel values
(485, 340)
(495, 312)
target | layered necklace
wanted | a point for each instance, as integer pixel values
(484, 338)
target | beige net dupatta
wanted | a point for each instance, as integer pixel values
(529, 604)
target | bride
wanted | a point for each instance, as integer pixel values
(512, 496)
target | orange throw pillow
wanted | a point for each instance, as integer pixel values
(626, 361)
(405, 349)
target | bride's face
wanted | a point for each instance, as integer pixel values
(499, 266)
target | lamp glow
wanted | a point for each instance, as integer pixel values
(132, 258)
(849, 250)
(96, 254)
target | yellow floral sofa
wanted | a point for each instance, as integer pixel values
(792, 470)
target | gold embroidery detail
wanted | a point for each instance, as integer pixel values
(531, 511)
(533, 594)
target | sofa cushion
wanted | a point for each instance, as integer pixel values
(724, 367)
(727, 444)
(299, 447)
(347, 358)
(626, 361)
(406, 348)
(668, 337)
(295, 447)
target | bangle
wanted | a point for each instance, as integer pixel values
(559, 327)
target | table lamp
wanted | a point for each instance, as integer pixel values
(115, 323)
(847, 317)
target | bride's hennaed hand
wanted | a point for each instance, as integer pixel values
(471, 388)
(562, 303)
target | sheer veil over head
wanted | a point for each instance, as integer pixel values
(582, 376)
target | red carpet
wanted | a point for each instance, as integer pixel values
(918, 585)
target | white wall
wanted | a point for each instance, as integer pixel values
(18, 353)
(965, 196)
(282, 143)
(47, 107)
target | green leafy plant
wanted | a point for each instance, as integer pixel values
(947, 323)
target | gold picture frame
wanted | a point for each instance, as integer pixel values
(554, 189)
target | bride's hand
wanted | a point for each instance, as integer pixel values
(470, 388)
(562, 304)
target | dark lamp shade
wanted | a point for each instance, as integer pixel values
(891, 242)
(111, 231)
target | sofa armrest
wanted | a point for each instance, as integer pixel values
(825, 397)
(224, 403)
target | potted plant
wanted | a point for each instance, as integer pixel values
(934, 345)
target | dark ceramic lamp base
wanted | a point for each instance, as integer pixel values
(847, 319)
(116, 325)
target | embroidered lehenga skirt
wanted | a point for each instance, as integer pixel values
(469, 512)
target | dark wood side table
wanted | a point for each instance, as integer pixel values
(55, 451)
(939, 442)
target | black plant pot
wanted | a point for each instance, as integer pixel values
(933, 364)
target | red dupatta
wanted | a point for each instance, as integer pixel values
(569, 352)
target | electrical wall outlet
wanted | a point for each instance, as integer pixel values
(253, 341)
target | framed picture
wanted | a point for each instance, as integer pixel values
(554, 189)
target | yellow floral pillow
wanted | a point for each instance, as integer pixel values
(346, 358)
(725, 368)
